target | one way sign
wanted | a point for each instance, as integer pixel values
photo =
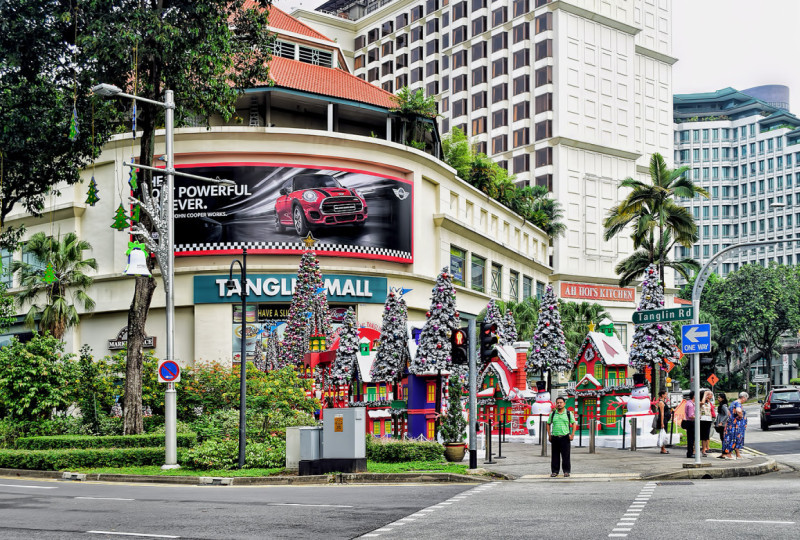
(695, 338)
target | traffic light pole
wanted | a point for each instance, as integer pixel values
(473, 396)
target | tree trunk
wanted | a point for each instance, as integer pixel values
(137, 317)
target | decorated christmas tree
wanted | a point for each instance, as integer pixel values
(308, 313)
(652, 342)
(344, 365)
(510, 327)
(549, 350)
(434, 348)
(392, 355)
(493, 315)
(454, 425)
(91, 195)
(49, 274)
(272, 356)
(120, 219)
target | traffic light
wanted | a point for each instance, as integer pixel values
(458, 341)
(488, 339)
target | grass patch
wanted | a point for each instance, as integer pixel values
(156, 470)
(712, 443)
(417, 466)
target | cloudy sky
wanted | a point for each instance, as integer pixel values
(721, 43)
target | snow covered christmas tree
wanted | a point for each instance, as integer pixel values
(493, 315)
(272, 354)
(434, 348)
(510, 327)
(308, 312)
(549, 349)
(392, 355)
(652, 342)
(344, 365)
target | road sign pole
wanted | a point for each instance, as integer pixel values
(696, 385)
(170, 425)
(473, 396)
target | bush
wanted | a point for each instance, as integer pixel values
(393, 451)
(161, 428)
(794, 381)
(224, 454)
(224, 424)
(68, 459)
(11, 430)
(77, 441)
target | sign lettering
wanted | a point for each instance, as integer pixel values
(663, 315)
(598, 292)
(280, 288)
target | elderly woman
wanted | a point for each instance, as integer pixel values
(734, 432)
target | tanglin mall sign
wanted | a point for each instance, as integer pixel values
(280, 287)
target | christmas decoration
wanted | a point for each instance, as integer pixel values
(392, 355)
(652, 342)
(272, 354)
(133, 178)
(543, 405)
(300, 326)
(91, 195)
(73, 125)
(49, 274)
(639, 402)
(493, 315)
(346, 360)
(454, 424)
(549, 351)
(120, 219)
(434, 348)
(135, 213)
(510, 327)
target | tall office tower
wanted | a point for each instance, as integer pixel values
(742, 147)
(574, 95)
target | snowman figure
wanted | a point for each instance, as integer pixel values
(639, 402)
(543, 405)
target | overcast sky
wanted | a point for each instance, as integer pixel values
(721, 43)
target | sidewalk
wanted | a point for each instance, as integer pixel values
(524, 462)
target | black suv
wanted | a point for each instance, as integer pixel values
(782, 406)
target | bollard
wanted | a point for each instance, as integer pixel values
(580, 430)
(624, 426)
(489, 445)
(500, 442)
(633, 434)
(543, 437)
(592, 432)
(671, 429)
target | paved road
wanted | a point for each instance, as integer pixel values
(64, 510)
(781, 442)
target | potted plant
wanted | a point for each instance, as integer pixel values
(453, 424)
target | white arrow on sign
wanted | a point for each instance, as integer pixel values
(693, 333)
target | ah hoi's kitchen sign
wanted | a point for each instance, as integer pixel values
(598, 292)
(280, 288)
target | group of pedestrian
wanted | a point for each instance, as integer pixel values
(732, 434)
(729, 421)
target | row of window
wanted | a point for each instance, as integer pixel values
(477, 278)
(728, 134)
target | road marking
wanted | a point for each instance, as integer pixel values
(617, 535)
(628, 520)
(105, 498)
(384, 529)
(133, 534)
(29, 487)
(311, 505)
(751, 521)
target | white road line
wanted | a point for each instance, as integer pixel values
(751, 521)
(28, 487)
(133, 534)
(311, 505)
(617, 535)
(384, 529)
(105, 498)
(621, 529)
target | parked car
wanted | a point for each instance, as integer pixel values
(311, 201)
(782, 406)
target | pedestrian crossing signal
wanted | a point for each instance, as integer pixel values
(459, 352)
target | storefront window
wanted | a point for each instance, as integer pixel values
(478, 269)
(621, 329)
(457, 258)
(527, 287)
(539, 290)
(497, 280)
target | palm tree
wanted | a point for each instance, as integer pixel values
(57, 311)
(634, 265)
(651, 210)
(575, 319)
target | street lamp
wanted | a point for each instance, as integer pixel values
(231, 286)
(162, 214)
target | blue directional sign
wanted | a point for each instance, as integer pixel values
(695, 338)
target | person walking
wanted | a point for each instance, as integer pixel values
(707, 415)
(737, 424)
(664, 416)
(560, 432)
(688, 424)
(722, 419)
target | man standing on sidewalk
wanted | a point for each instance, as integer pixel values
(560, 431)
(688, 424)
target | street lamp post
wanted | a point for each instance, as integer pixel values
(162, 214)
(231, 285)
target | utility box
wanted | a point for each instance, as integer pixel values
(292, 447)
(310, 443)
(344, 433)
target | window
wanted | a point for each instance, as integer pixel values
(499, 42)
(459, 34)
(416, 13)
(373, 35)
(388, 86)
(500, 67)
(401, 41)
(479, 75)
(521, 137)
(479, 50)
(359, 61)
(432, 89)
(459, 83)
(459, 10)
(544, 156)
(387, 28)
(499, 92)
(539, 290)
(527, 287)
(544, 22)
(543, 130)
(545, 180)
(432, 68)
(499, 144)
(521, 84)
(522, 163)
(478, 26)
(499, 16)
(478, 100)
(387, 68)
(416, 75)
(361, 41)
(521, 32)
(581, 371)
(431, 430)
(477, 273)
(513, 284)
(416, 34)
(611, 415)
(401, 81)
(459, 108)
(500, 118)
(544, 49)
(544, 103)
(401, 20)
(479, 125)
(521, 7)
(543, 76)
(598, 370)
(431, 6)
(373, 74)
(5, 268)
(478, 4)
(522, 58)
(459, 59)
(497, 280)
(457, 258)
(432, 47)
(522, 110)
(431, 392)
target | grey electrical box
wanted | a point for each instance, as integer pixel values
(292, 447)
(344, 434)
(310, 443)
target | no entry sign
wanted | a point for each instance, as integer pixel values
(169, 371)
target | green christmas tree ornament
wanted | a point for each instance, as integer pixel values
(120, 219)
(91, 195)
(49, 274)
(135, 213)
(133, 179)
(73, 126)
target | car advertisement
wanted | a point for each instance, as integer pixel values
(279, 208)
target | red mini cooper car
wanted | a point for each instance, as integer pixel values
(311, 201)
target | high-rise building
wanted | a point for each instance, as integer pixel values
(573, 95)
(743, 148)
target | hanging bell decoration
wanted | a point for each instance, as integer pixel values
(137, 260)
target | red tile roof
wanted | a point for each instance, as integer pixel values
(280, 20)
(326, 81)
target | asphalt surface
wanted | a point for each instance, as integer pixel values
(781, 441)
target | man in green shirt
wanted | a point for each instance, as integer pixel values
(560, 431)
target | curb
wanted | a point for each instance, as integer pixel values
(767, 466)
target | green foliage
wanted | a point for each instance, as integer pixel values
(94, 394)
(575, 319)
(453, 426)
(415, 112)
(394, 451)
(7, 311)
(224, 424)
(52, 302)
(36, 378)
(458, 152)
(92, 441)
(417, 466)
(796, 380)
(224, 454)
(11, 430)
(152, 390)
(70, 459)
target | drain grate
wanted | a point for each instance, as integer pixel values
(676, 483)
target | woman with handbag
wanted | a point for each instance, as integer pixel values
(737, 424)
(707, 415)
(722, 418)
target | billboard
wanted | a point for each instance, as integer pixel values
(274, 207)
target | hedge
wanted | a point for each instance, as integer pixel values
(392, 451)
(111, 441)
(61, 459)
